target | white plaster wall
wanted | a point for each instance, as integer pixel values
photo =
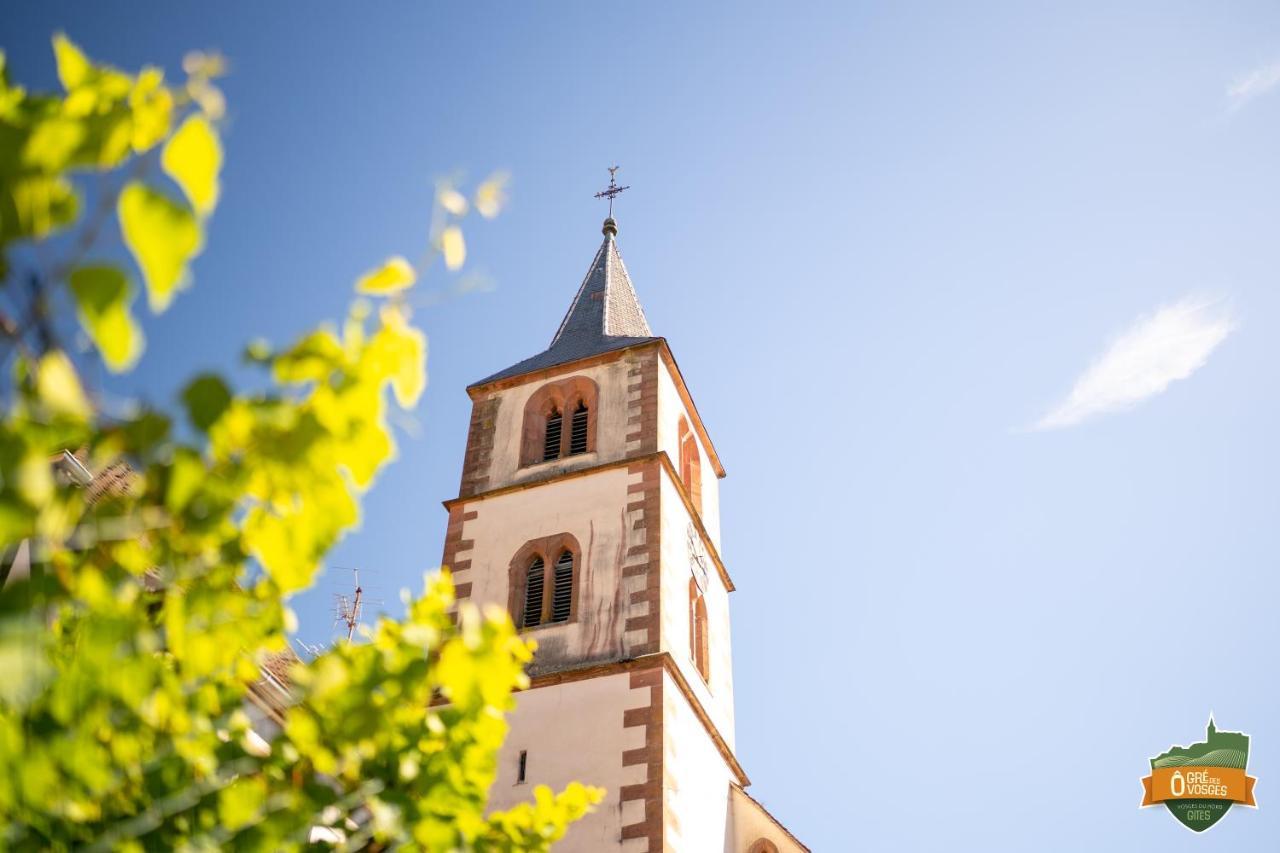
(749, 823)
(574, 732)
(697, 778)
(716, 697)
(611, 425)
(592, 507)
(670, 409)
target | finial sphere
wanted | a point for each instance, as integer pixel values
(610, 228)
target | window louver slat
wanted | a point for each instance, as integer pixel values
(533, 594)
(562, 595)
(578, 431)
(551, 447)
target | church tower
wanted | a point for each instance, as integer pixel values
(589, 508)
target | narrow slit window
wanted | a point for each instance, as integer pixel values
(533, 594)
(524, 765)
(551, 444)
(562, 596)
(578, 430)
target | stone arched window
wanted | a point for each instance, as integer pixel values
(762, 845)
(699, 644)
(690, 464)
(544, 578)
(559, 420)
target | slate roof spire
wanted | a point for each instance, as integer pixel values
(605, 315)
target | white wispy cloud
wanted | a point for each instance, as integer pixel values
(1155, 351)
(1257, 82)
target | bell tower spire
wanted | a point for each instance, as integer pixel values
(589, 510)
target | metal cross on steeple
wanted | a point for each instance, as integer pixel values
(613, 189)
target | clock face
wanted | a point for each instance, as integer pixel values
(697, 558)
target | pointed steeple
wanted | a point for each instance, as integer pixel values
(605, 315)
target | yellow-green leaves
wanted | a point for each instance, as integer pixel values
(105, 117)
(40, 204)
(52, 143)
(102, 299)
(401, 352)
(151, 105)
(92, 90)
(453, 247)
(392, 277)
(58, 386)
(529, 826)
(73, 65)
(164, 579)
(241, 801)
(163, 237)
(193, 158)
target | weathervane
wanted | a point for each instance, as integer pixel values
(613, 189)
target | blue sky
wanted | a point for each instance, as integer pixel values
(993, 368)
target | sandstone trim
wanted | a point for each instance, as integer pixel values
(650, 792)
(642, 403)
(644, 560)
(479, 453)
(457, 551)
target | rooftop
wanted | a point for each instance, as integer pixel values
(605, 315)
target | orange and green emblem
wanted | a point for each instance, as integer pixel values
(1200, 783)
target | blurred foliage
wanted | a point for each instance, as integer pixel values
(130, 647)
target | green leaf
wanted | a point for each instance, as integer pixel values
(35, 206)
(240, 802)
(392, 277)
(58, 386)
(102, 297)
(206, 398)
(193, 158)
(185, 476)
(73, 65)
(163, 237)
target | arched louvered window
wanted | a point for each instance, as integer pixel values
(559, 421)
(699, 645)
(543, 581)
(535, 581)
(551, 441)
(562, 595)
(578, 430)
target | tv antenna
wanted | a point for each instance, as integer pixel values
(347, 607)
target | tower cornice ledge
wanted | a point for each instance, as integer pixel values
(667, 466)
(668, 663)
